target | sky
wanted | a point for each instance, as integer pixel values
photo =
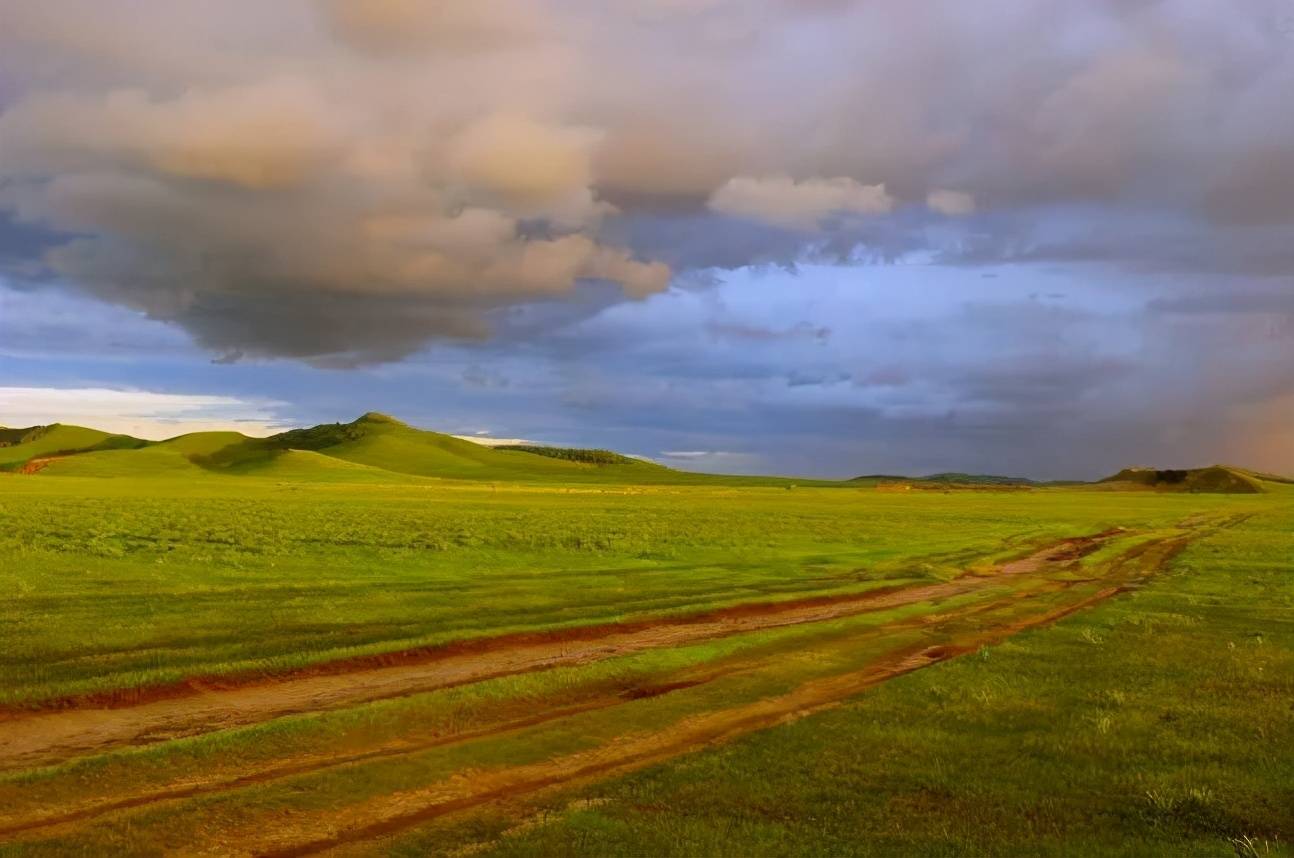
(817, 237)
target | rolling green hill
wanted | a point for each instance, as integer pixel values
(384, 442)
(153, 460)
(373, 448)
(19, 446)
(381, 441)
(211, 455)
(203, 443)
(178, 456)
(377, 441)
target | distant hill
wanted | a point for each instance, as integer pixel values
(379, 448)
(951, 478)
(1216, 479)
(387, 445)
(380, 441)
(956, 478)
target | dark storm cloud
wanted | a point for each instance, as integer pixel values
(386, 173)
(1262, 303)
(328, 330)
(762, 333)
(1043, 380)
(1166, 243)
(927, 370)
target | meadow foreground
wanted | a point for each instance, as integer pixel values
(271, 666)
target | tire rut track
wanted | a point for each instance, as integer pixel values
(43, 738)
(391, 814)
(686, 679)
(690, 733)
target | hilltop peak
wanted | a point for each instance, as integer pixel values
(379, 417)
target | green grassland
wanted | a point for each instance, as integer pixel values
(1157, 722)
(115, 583)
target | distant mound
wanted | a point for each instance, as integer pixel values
(1216, 479)
(958, 478)
(949, 479)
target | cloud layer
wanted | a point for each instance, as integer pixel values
(830, 237)
(344, 180)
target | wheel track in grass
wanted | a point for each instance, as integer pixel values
(123, 698)
(392, 814)
(29, 739)
(684, 679)
(809, 697)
